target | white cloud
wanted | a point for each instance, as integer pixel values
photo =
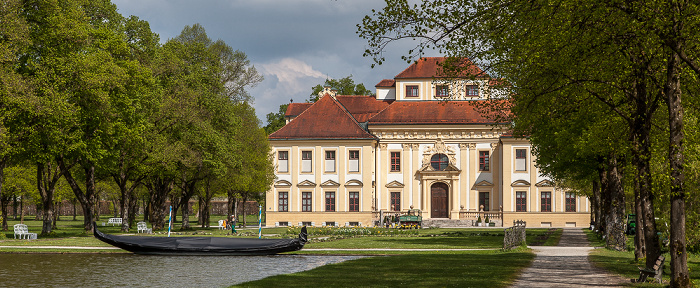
(288, 71)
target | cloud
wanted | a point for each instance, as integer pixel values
(289, 71)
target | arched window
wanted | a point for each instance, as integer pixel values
(439, 162)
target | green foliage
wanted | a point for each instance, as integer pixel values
(275, 121)
(345, 86)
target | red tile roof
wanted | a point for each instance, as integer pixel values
(432, 112)
(294, 109)
(429, 67)
(386, 83)
(362, 107)
(325, 119)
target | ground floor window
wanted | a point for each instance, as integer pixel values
(546, 202)
(330, 201)
(484, 200)
(395, 201)
(306, 201)
(283, 202)
(354, 202)
(306, 224)
(570, 202)
(330, 223)
(520, 201)
(284, 224)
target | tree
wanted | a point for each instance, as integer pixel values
(612, 49)
(275, 121)
(345, 86)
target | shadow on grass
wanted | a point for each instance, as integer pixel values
(491, 269)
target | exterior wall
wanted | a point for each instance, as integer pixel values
(318, 182)
(386, 94)
(426, 89)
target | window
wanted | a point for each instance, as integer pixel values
(520, 201)
(520, 159)
(354, 161)
(472, 91)
(283, 202)
(306, 161)
(330, 161)
(282, 161)
(395, 161)
(305, 201)
(395, 201)
(330, 224)
(307, 224)
(439, 162)
(570, 202)
(330, 201)
(546, 202)
(353, 224)
(283, 224)
(483, 160)
(354, 201)
(484, 200)
(411, 90)
(442, 91)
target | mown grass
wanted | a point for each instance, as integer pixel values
(455, 269)
(623, 263)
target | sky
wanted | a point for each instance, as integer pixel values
(294, 44)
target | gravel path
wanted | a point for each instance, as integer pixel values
(566, 265)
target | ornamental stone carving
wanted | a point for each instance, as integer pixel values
(440, 148)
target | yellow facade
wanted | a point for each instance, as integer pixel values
(477, 163)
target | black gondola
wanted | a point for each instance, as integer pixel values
(153, 245)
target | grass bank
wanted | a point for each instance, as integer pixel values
(623, 263)
(448, 269)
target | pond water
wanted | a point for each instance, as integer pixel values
(128, 270)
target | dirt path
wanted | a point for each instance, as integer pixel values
(566, 265)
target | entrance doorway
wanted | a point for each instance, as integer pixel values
(439, 202)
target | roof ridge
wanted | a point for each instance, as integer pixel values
(347, 112)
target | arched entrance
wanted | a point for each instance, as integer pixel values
(438, 200)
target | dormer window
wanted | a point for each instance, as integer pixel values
(439, 162)
(472, 91)
(411, 90)
(442, 91)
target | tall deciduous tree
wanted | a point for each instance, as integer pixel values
(623, 54)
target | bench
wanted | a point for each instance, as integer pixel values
(657, 271)
(141, 227)
(115, 221)
(22, 232)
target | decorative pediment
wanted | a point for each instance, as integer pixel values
(330, 183)
(429, 168)
(545, 183)
(306, 183)
(354, 183)
(394, 184)
(282, 184)
(439, 148)
(520, 183)
(484, 183)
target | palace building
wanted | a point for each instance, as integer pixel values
(349, 160)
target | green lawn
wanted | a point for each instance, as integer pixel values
(623, 264)
(451, 269)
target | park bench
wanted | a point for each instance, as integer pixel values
(115, 221)
(22, 232)
(657, 271)
(141, 227)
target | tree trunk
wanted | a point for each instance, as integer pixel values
(597, 206)
(47, 176)
(231, 207)
(188, 190)
(641, 154)
(86, 198)
(3, 201)
(604, 200)
(245, 199)
(158, 188)
(679, 255)
(615, 233)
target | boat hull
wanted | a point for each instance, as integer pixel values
(201, 246)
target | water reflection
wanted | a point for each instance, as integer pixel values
(127, 270)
